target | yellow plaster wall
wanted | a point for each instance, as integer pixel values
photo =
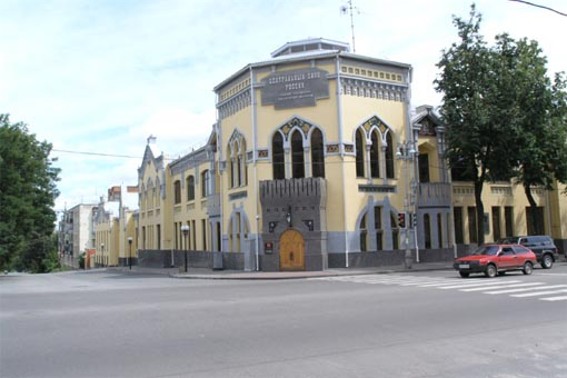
(501, 195)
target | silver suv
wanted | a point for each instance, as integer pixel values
(542, 245)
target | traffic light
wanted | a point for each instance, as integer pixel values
(413, 220)
(402, 219)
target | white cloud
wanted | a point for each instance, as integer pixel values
(101, 76)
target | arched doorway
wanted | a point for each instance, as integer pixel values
(292, 251)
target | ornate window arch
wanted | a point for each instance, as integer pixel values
(317, 153)
(237, 160)
(298, 150)
(374, 143)
(377, 227)
(360, 145)
(297, 156)
(278, 156)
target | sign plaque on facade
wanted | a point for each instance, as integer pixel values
(295, 89)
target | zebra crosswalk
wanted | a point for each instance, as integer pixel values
(514, 288)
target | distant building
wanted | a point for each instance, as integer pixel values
(76, 232)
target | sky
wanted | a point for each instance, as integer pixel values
(96, 78)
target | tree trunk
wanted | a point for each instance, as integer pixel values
(478, 185)
(533, 213)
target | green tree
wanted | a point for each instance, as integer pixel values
(472, 78)
(540, 119)
(504, 117)
(27, 194)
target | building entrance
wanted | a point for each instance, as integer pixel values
(292, 251)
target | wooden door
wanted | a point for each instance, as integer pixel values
(292, 251)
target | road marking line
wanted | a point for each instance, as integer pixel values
(473, 284)
(553, 299)
(535, 294)
(524, 289)
(504, 286)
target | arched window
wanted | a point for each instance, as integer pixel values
(177, 192)
(378, 228)
(389, 156)
(205, 183)
(278, 158)
(375, 151)
(317, 154)
(440, 230)
(427, 230)
(297, 159)
(237, 161)
(190, 188)
(360, 153)
(232, 169)
(375, 155)
(363, 234)
(395, 232)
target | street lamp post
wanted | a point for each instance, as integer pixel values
(185, 230)
(102, 254)
(130, 253)
(406, 152)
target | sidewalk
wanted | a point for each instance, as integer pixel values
(204, 273)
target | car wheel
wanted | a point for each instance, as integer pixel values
(547, 261)
(464, 274)
(528, 268)
(491, 271)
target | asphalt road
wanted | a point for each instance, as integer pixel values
(420, 324)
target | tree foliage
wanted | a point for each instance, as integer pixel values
(468, 80)
(504, 118)
(27, 194)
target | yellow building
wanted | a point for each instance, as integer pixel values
(115, 225)
(316, 160)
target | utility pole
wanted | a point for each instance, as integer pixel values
(349, 8)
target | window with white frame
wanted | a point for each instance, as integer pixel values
(237, 161)
(205, 183)
(302, 149)
(374, 153)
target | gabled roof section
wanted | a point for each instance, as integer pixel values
(152, 154)
(426, 121)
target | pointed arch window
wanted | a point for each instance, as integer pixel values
(360, 152)
(278, 158)
(375, 155)
(297, 157)
(389, 156)
(375, 152)
(317, 154)
(237, 163)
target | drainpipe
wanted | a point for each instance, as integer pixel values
(342, 152)
(255, 162)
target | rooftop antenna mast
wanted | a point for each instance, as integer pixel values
(349, 8)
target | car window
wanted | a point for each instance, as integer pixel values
(507, 251)
(523, 241)
(488, 250)
(520, 250)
